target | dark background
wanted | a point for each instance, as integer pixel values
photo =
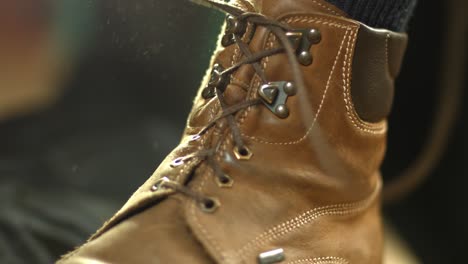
(65, 169)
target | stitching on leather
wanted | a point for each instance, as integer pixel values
(358, 123)
(387, 64)
(386, 47)
(240, 83)
(256, 81)
(327, 8)
(330, 210)
(80, 248)
(182, 170)
(324, 95)
(252, 6)
(320, 260)
(208, 238)
(306, 218)
(362, 125)
(372, 128)
(324, 21)
(214, 109)
(190, 162)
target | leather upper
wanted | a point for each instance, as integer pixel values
(312, 185)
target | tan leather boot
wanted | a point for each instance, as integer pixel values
(280, 159)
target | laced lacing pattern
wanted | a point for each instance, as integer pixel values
(228, 112)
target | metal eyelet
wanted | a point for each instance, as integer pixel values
(160, 184)
(209, 205)
(217, 80)
(224, 181)
(194, 137)
(243, 153)
(177, 162)
(234, 27)
(208, 93)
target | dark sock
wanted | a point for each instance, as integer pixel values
(390, 14)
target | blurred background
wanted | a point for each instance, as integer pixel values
(94, 93)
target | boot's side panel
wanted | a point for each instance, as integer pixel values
(307, 182)
(332, 160)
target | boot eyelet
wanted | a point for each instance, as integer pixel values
(208, 93)
(217, 80)
(177, 162)
(224, 181)
(160, 184)
(234, 27)
(194, 137)
(209, 205)
(243, 154)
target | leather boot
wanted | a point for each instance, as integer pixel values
(279, 162)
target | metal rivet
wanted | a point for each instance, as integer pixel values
(209, 205)
(270, 257)
(282, 111)
(224, 181)
(290, 88)
(305, 58)
(314, 36)
(160, 184)
(243, 154)
(177, 162)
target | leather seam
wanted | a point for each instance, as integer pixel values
(239, 83)
(192, 212)
(264, 64)
(320, 260)
(209, 239)
(318, 110)
(191, 161)
(80, 248)
(378, 128)
(307, 217)
(387, 37)
(243, 2)
(327, 8)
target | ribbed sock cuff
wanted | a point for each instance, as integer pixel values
(390, 14)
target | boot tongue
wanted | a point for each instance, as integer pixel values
(277, 8)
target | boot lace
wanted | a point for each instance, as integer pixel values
(297, 51)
